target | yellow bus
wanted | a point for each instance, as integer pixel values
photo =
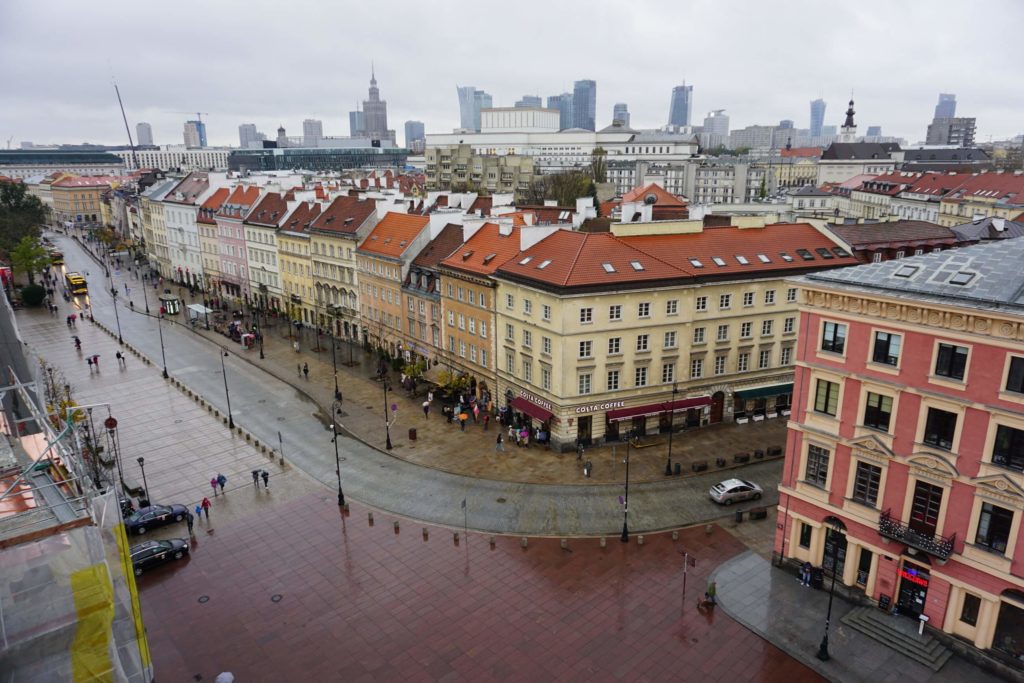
(76, 284)
(56, 258)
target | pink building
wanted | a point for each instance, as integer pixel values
(234, 265)
(907, 435)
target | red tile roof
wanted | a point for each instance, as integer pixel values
(938, 184)
(662, 196)
(896, 232)
(344, 215)
(212, 205)
(1002, 187)
(578, 259)
(441, 247)
(299, 220)
(392, 236)
(85, 181)
(801, 152)
(269, 212)
(241, 198)
(483, 205)
(891, 183)
(486, 251)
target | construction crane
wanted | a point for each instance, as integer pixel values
(199, 114)
(9, 141)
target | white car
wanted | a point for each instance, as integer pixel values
(734, 490)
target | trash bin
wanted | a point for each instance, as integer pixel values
(739, 516)
(817, 577)
(678, 469)
(412, 434)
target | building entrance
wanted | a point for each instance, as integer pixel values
(913, 589)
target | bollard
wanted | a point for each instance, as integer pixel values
(344, 508)
(604, 542)
(565, 544)
(396, 526)
(280, 461)
(675, 535)
(523, 542)
(455, 538)
(640, 539)
(256, 443)
(426, 534)
(491, 541)
(369, 517)
(708, 529)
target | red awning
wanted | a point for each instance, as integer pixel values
(658, 408)
(531, 409)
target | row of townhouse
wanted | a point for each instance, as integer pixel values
(904, 469)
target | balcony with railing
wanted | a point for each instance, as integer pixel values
(937, 546)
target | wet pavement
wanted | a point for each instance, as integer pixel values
(298, 592)
(772, 603)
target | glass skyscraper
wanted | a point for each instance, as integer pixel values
(681, 109)
(584, 105)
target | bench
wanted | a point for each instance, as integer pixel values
(741, 457)
(785, 413)
(759, 418)
(742, 420)
(132, 488)
(637, 444)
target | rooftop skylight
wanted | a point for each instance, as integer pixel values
(764, 258)
(637, 266)
(696, 263)
(543, 264)
(718, 261)
(608, 268)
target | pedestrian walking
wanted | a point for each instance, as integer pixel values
(256, 478)
(305, 370)
(499, 447)
(295, 346)
(131, 304)
(213, 485)
(96, 361)
(120, 360)
(68, 321)
(126, 288)
(266, 479)
(206, 505)
(221, 480)
(430, 396)
(74, 319)
(299, 368)
(189, 520)
(199, 511)
(487, 421)
(78, 344)
(579, 450)
(426, 409)
(711, 593)
(588, 467)
(462, 421)
(88, 359)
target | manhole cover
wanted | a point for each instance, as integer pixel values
(342, 459)
(276, 597)
(204, 598)
(262, 400)
(177, 422)
(501, 500)
(368, 407)
(280, 419)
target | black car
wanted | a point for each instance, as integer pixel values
(152, 553)
(154, 516)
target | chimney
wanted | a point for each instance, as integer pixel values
(999, 224)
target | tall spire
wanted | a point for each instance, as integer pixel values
(849, 117)
(373, 74)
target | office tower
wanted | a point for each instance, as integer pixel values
(356, 124)
(946, 108)
(414, 132)
(312, 132)
(247, 136)
(144, 134)
(195, 134)
(375, 114)
(282, 137)
(529, 102)
(716, 130)
(620, 112)
(584, 105)
(957, 131)
(681, 107)
(471, 101)
(874, 131)
(563, 103)
(786, 124)
(817, 117)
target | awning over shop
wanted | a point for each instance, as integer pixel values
(762, 392)
(531, 409)
(435, 374)
(658, 408)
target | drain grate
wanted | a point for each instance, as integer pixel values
(501, 500)
(204, 598)
(276, 597)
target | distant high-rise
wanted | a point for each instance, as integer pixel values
(375, 114)
(471, 101)
(356, 123)
(958, 131)
(817, 117)
(144, 133)
(282, 137)
(529, 102)
(681, 108)
(620, 112)
(415, 132)
(786, 124)
(312, 132)
(874, 131)
(195, 134)
(563, 103)
(946, 108)
(248, 136)
(716, 129)
(584, 105)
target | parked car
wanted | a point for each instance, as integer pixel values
(154, 553)
(734, 490)
(156, 515)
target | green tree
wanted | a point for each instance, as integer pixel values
(21, 214)
(30, 257)
(33, 295)
(599, 165)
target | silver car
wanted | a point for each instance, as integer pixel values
(734, 490)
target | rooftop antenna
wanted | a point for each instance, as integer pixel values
(131, 145)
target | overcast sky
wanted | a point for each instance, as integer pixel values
(278, 62)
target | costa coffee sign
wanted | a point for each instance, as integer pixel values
(594, 407)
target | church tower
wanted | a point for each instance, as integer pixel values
(848, 133)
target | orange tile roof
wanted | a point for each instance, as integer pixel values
(393, 235)
(1004, 187)
(663, 196)
(212, 205)
(85, 181)
(486, 251)
(938, 184)
(242, 197)
(576, 259)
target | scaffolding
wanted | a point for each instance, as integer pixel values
(69, 608)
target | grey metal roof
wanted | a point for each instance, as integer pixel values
(161, 189)
(991, 273)
(988, 229)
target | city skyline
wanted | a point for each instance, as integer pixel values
(75, 88)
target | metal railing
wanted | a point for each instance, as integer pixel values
(938, 546)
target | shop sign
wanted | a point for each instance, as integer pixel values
(912, 576)
(536, 401)
(600, 406)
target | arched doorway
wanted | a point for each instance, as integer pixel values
(833, 556)
(717, 405)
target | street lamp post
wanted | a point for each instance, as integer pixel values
(823, 654)
(113, 293)
(142, 466)
(625, 506)
(145, 298)
(671, 424)
(334, 357)
(387, 423)
(336, 413)
(160, 329)
(227, 394)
